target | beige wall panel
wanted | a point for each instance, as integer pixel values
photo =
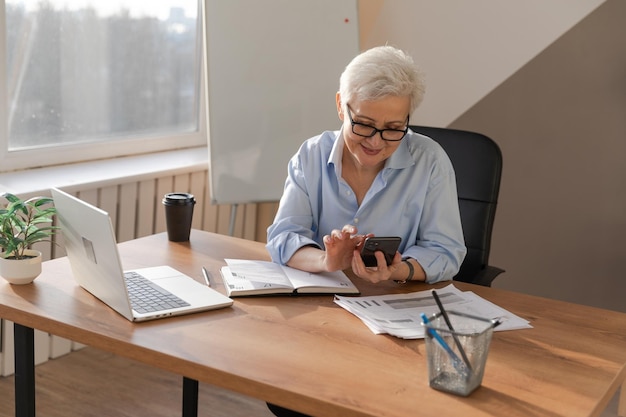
(466, 48)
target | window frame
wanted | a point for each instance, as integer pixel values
(112, 148)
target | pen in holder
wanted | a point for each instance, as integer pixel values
(469, 339)
(464, 369)
(457, 342)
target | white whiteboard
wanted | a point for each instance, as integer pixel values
(273, 69)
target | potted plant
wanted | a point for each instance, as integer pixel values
(22, 223)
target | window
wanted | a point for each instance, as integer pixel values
(90, 79)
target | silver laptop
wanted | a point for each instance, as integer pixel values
(93, 254)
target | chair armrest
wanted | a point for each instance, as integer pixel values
(486, 276)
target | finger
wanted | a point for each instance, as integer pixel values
(357, 263)
(349, 229)
(329, 240)
(336, 234)
(358, 240)
(397, 258)
(381, 261)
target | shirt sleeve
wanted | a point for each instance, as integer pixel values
(440, 246)
(293, 225)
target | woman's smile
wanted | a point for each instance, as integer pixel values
(370, 151)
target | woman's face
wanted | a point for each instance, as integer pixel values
(387, 113)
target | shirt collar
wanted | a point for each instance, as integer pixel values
(401, 158)
(337, 150)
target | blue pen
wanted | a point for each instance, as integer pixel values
(458, 363)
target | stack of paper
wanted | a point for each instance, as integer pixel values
(399, 314)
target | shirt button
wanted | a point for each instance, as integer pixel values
(356, 220)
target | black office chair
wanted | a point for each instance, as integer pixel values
(477, 161)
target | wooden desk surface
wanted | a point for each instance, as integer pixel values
(306, 353)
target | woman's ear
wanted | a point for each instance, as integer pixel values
(339, 106)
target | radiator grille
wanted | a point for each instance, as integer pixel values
(136, 211)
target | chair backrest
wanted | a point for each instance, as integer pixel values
(477, 161)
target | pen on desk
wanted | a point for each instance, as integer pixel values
(444, 314)
(207, 276)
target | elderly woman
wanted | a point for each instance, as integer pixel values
(373, 177)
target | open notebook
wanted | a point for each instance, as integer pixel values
(93, 254)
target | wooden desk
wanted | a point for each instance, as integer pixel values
(308, 354)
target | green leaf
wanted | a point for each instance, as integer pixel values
(23, 223)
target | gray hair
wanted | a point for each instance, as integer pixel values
(380, 72)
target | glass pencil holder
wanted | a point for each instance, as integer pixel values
(457, 354)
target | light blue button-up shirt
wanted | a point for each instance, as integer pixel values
(414, 196)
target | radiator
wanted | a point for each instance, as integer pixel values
(136, 210)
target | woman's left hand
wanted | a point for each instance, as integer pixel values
(375, 274)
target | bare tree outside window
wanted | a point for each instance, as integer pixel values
(83, 72)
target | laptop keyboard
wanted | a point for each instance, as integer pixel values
(146, 297)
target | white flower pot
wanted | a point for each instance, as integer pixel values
(21, 271)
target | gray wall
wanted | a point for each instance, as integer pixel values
(561, 123)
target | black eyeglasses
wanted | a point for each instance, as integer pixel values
(367, 131)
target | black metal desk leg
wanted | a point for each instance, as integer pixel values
(190, 397)
(24, 342)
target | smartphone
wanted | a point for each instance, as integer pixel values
(387, 245)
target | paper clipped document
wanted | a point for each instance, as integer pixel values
(399, 314)
(248, 277)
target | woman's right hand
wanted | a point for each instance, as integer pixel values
(340, 246)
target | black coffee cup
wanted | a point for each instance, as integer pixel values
(178, 215)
